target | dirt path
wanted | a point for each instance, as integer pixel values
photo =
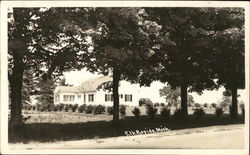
(216, 137)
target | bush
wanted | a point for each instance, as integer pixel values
(41, 107)
(89, 109)
(151, 111)
(214, 105)
(61, 106)
(205, 105)
(110, 110)
(242, 107)
(231, 111)
(178, 114)
(145, 102)
(33, 107)
(136, 112)
(50, 107)
(157, 104)
(26, 107)
(70, 106)
(169, 104)
(66, 107)
(243, 112)
(56, 107)
(162, 104)
(74, 107)
(219, 111)
(99, 109)
(149, 104)
(82, 108)
(123, 110)
(199, 112)
(197, 105)
(165, 112)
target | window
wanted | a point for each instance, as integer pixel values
(108, 97)
(79, 96)
(91, 97)
(84, 98)
(121, 96)
(128, 98)
(68, 98)
(57, 97)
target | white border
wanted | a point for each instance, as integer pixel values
(4, 80)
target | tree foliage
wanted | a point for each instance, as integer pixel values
(45, 40)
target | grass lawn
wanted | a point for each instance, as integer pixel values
(57, 126)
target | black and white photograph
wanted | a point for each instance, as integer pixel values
(115, 77)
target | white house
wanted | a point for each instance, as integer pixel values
(89, 93)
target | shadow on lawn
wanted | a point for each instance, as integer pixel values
(49, 132)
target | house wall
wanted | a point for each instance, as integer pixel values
(125, 88)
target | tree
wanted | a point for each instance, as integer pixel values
(121, 41)
(185, 62)
(29, 86)
(224, 103)
(229, 58)
(173, 96)
(46, 95)
(42, 39)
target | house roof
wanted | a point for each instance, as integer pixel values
(87, 86)
(67, 89)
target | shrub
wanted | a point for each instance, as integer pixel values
(110, 110)
(82, 108)
(26, 106)
(70, 106)
(74, 107)
(205, 105)
(56, 107)
(231, 111)
(156, 104)
(162, 104)
(61, 106)
(50, 107)
(219, 111)
(99, 109)
(66, 107)
(199, 112)
(169, 104)
(165, 112)
(33, 107)
(214, 105)
(136, 112)
(40, 107)
(145, 102)
(89, 109)
(197, 105)
(243, 112)
(242, 106)
(149, 104)
(123, 110)
(151, 111)
(178, 114)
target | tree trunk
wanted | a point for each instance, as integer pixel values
(234, 103)
(16, 82)
(184, 101)
(116, 79)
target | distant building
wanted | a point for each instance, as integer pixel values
(91, 92)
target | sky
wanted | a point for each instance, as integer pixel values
(77, 77)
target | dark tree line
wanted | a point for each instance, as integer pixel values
(190, 48)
